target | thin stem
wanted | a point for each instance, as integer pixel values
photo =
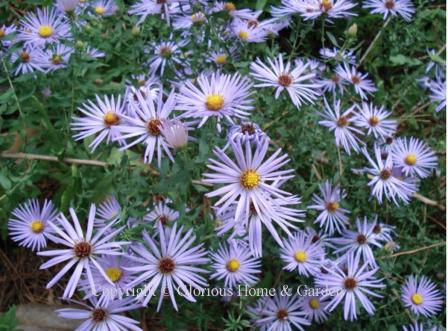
(378, 35)
(341, 167)
(11, 85)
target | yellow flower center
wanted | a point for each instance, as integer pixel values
(250, 179)
(229, 6)
(244, 35)
(56, 59)
(314, 303)
(374, 121)
(221, 59)
(111, 118)
(2, 33)
(37, 226)
(410, 159)
(100, 10)
(332, 206)
(45, 31)
(327, 5)
(301, 256)
(214, 102)
(233, 265)
(114, 274)
(417, 299)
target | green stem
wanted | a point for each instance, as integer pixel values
(378, 35)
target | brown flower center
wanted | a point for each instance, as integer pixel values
(282, 314)
(390, 4)
(336, 79)
(166, 265)
(356, 79)
(374, 121)
(163, 219)
(247, 128)
(25, 56)
(154, 127)
(83, 249)
(316, 238)
(165, 51)
(252, 23)
(377, 229)
(361, 239)
(99, 315)
(342, 121)
(350, 283)
(285, 80)
(385, 174)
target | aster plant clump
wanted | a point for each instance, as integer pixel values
(217, 165)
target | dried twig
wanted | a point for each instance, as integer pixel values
(28, 156)
(412, 251)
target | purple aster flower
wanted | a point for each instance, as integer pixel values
(360, 82)
(359, 242)
(165, 53)
(6, 35)
(314, 306)
(175, 133)
(421, 296)
(108, 211)
(26, 60)
(104, 8)
(103, 314)
(313, 9)
(403, 8)
(342, 125)
(382, 232)
(332, 217)
(351, 285)
(67, 5)
(234, 263)
(101, 119)
(332, 83)
(171, 266)
(245, 131)
(231, 9)
(82, 250)
(217, 95)
(145, 8)
(301, 253)
(162, 214)
(54, 58)
(115, 286)
(252, 183)
(297, 80)
(146, 126)
(44, 27)
(385, 182)
(414, 157)
(437, 90)
(421, 327)
(280, 312)
(375, 120)
(29, 224)
(187, 20)
(339, 55)
(246, 32)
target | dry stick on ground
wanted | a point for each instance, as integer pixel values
(412, 251)
(96, 163)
